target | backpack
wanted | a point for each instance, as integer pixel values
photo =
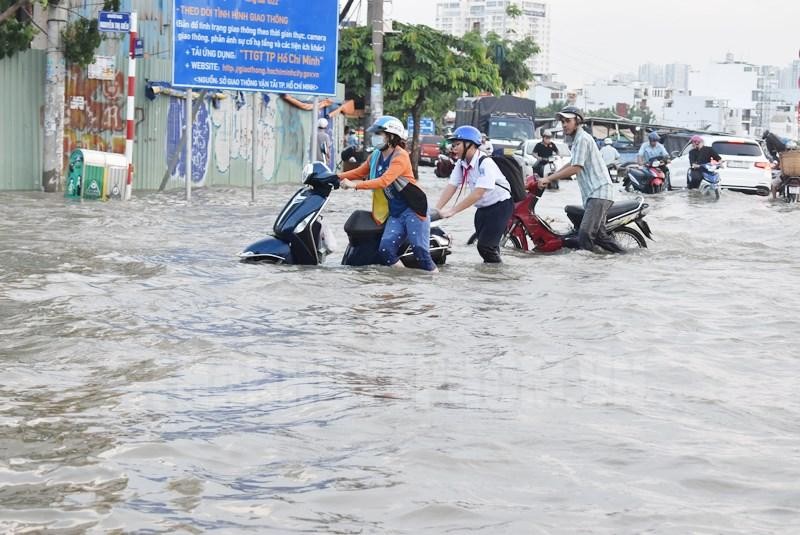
(513, 172)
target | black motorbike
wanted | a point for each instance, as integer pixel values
(301, 236)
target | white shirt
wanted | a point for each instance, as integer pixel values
(487, 177)
(609, 154)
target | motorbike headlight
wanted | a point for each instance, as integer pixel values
(304, 223)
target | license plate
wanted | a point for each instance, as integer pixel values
(794, 190)
(738, 164)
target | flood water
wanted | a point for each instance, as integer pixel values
(151, 383)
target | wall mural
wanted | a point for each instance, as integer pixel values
(232, 121)
(201, 137)
(94, 113)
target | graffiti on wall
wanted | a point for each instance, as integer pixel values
(233, 120)
(94, 115)
(201, 137)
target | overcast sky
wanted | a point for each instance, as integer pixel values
(591, 39)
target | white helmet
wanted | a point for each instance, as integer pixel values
(390, 125)
(608, 141)
(322, 123)
(547, 133)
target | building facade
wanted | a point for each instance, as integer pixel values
(458, 17)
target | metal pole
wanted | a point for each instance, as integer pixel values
(314, 130)
(253, 179)
(53, 138)
(376, 91)
(130, 107)
(188, 146)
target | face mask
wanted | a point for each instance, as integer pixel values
(378, 141)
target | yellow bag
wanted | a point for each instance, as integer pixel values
(380, 204)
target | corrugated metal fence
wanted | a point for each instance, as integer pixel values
(21, 101)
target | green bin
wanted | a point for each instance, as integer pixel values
(96, 175)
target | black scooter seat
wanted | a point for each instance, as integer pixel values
(617, 209)
(360, 226)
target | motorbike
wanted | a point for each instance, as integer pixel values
(529, 232)
(548, 169)
(710, 185)
(613, 172)
(301, 235)
(444, 166)
(649, 178)
(790, 188)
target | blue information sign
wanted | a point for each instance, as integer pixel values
(280, 46)
(111, 21)
(428, 126)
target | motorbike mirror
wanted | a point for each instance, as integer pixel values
(675, 154)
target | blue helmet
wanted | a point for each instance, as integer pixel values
(652, 136)
(467, 133)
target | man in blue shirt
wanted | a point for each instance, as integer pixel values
(591, 173)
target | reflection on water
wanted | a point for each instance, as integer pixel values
(152, 383)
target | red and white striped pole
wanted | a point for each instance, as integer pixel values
(130, 109)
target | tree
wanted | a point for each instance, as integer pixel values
(513, 11)
(551, 109)
(510, 57)
(423, 70)
(80, 38)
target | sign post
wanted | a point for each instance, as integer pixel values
(111, 21)
(275, 46)
(280, 47)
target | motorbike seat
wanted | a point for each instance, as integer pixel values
(360, 226)
(617, 209)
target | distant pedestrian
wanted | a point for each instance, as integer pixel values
(593, 179)
(323, 142)
(609, 153)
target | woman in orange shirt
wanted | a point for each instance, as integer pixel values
(389, 170)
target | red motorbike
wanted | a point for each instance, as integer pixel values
(528, 232)
(649, 178)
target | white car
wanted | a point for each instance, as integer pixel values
(744, 167)
(527, 159)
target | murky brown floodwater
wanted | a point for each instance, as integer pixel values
(151, 383)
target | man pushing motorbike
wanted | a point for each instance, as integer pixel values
(592, 174)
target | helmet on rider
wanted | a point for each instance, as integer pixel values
(765, 135)
(467, 133)
(322, 123)
(570, 112)
(390, 125)
(653, 136)
(547, 133)
(696, 139)
(608, 141)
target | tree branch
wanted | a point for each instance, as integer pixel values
(11, 11)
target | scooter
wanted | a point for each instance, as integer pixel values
(548, 169)
(790, 188)
(301, 235)
(613, 172)
(710, 185)
(528, 232)
(649, 178)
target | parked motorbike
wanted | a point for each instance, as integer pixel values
(649, 178)
(710, 185)
(301, 235)
(528, 232)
